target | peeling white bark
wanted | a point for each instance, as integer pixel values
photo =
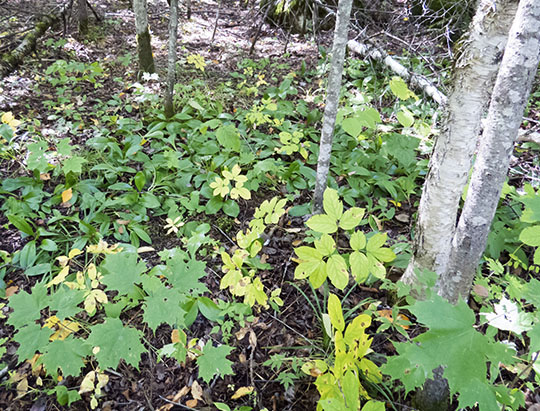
(474, 74)
(510, 95)
(332, 101)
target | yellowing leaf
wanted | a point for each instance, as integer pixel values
(7, 118)
(241, 392)
(87, 384)
(66, 195)
(60, 277)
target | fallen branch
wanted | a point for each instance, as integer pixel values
(11, 60)
(414, 79)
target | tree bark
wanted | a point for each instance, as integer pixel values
(171, 59)
(82, 17)
(332, 100)
(474, 75)
(510, 95)
(144, 46)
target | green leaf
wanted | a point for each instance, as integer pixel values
(68, 355)
(31, 338)
(383, 254)
(308, 253)
(28, 254)
(400, 89)
(48, 245)
(351, 218)
(336, 269)
(115, 342)
(185, 275)
(335, 312)
(405, 117)
(65, 396)
(369, 118)
(372, 405)
(140, 180)
(228, 137)
(318, 275)
(331, 204)
(530, 236)
(231, 208)
(213, 361)
(326, 245)
(351, 390)
(209, 309)
(376, 242)
(534, 336)
(121, 272)
(358, 240)
(65, 302)
(359, 266)
(214, 205)
(21, 224)
(26, 307)
(163, 306)
(466, 353)
(322, 223)
(73, 164)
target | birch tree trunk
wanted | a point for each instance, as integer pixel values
(144, 46)
(510, 95)
(474, 75)
(171, 59)
(332, 100)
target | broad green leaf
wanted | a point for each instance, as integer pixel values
(322, 223)
(331, 204)
(358, 240)
(405, 117)
(228, 137)
(308, 253)
(140, 180)
(326, 245)
(214, 205)
(113, 341)
(28, 254)
(534, 336)
(400, 89)
(213, 361)
(185, 275)
(351, 218)
(26, 307)
(231, 208)
(368, 117)
(31, 338)
(122, 271)
(64, 302)
(48, 245)
(351, 390)
(376, 242)
(530, 236)
(209, 309)
(163, 306)
(73, 165)
(373, 405)
(68, 355)
(318, 275)
(308, 268)
(336, 269)
(383, 254)
(21, 224)
(335, 312)
(359, 266)
(531, 213)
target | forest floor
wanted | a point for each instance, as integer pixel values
(167, 385)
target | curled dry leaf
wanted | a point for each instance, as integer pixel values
(241, 392)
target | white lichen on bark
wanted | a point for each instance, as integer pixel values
(332, 101)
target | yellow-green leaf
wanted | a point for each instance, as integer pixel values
(358, 240)
(359, 266)
(336, 269)
(351, 218)
(322, 223)
(335, 312)
(331, 204)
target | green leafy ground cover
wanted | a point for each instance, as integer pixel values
(177, 257)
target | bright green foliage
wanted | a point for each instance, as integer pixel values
(122, 271)
(213, 361)
(31, 339)
(163, 306)
(325, 261)
(467, 353)
(339, 383)
(112, 342)
(400, 89)
(66, 355)
(26, 307)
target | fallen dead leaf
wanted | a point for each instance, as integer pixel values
(241, 392)
(197, 391)
(66, 195)
(191, 403)
(11, 290)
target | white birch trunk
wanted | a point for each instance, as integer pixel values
(332, 100)
(510, 95)
(144, 46)
(474, 75)
(171, 59)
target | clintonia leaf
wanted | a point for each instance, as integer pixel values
(451, 342)
(213, 361)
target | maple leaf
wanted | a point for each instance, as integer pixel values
(68, 355)
(31, 339)
(122, 271)
(163, 306)
(26, 307)
(213, 361)
(112, 342)
(65, 302)
(185, 276)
